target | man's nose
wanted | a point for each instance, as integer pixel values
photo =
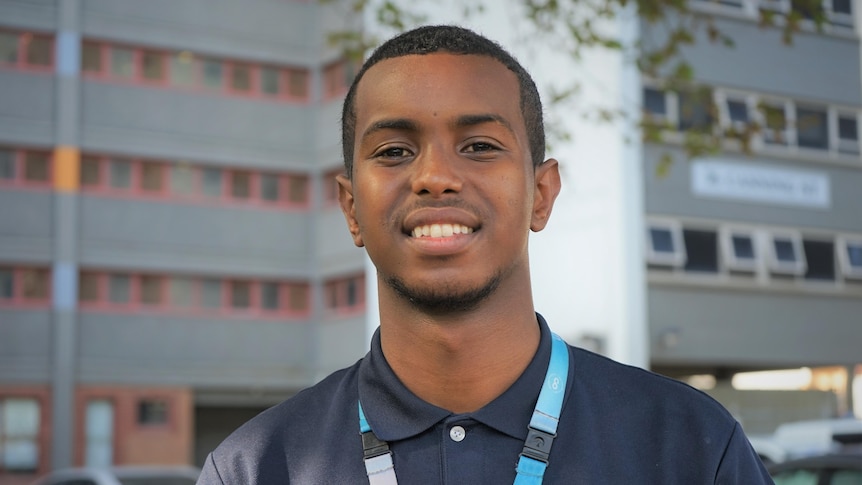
(437, 172)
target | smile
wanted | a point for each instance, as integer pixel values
(440, 230)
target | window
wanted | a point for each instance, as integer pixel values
(298, 298)
(122, 62)
(34, 283)
(848, 134)
(88, 287)
(26, 50)
(346, 294)
(212, 182)
(335, 79)
(654, 103)
(811, 129)
(269, 187)
(820, 259)
(298, 190)
(36, 167)
(19, 434)
(151, 290)
(211, 293)
(152, 412)
(850, 256)
(8, 48)
(840, 13)
(786, 255)
(37, 49)
(90, 171)
(182, 179)
(119, 288)
(181, 292)
(270, 80)
(269, 296)
(297, 84)
(664, 244)
(739, 250)
(775, 125)
(7, 283)
(152, 179)
(120, 174)
(99, 433)
(24, 286)
(240, 294)
(240, 77)
(153, 65)
(695, 111)
(701, 249)
(7, 164)
(182, 69)
(240, 185)
(91, 57)
(213, 74)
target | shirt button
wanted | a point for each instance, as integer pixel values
(457, 433)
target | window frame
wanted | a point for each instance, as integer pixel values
(731, 260)
(22, 40)
(19, 164)
(778, 267)
(845, 266)
(673, 259)
(336, 300)
(19, 300)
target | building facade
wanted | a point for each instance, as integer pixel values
(172, 256)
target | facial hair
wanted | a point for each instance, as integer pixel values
(445, 299)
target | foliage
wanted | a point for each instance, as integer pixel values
(668, 27)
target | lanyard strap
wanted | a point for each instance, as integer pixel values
(540, 433)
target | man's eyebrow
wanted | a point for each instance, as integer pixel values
(478, 119)
(401, 124)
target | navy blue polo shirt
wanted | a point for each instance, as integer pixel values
(619, 424)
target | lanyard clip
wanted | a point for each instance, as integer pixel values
(373, 446)
(538, 444)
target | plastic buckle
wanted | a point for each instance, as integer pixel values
(372, 446)
(538, 444)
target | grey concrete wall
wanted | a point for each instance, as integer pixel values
(200, 352)
(25, 346)
(26, 226)
(176, 237)
(815, 66)
(737, 328)
(27, 108)
(672, 194)
(29, 14)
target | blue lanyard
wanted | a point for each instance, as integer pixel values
(540, 433)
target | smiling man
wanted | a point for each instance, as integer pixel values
(445, 177)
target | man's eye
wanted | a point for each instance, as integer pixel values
(394, 152)
(480, 147)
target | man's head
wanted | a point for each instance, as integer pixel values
(453, 40)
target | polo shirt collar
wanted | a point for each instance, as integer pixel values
(395, 413)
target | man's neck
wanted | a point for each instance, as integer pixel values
(459, 362)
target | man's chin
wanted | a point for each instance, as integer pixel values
(445, 298)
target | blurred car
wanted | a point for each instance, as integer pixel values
(802, 439)
(843, 467)
(123, 475)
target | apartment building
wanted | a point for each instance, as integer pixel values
(172, 257)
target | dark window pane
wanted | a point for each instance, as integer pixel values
(299, 298)
(854, 255)
(34, 284)
(212, 184)
(8, 47)
(121, 174)
(701, 248)
(151, 177)
(240, 294)
(269, 80)
(743, 247)
(785, 251)
(332, 295)
(90, 171)
(213, 76)
(654, 102)
(88, 287)
(737, 111)
(298, 83)
(269, 296)
(36, 167)
(820, 256)
(662, 240)
(119, 288)
(848, 128)
(153, 65)
(352, 292)
(122, 62)
(7, 164)
(841, 6)
(694, 111)
(811, 131)
(269, 187)
(240, 77)
(808, 9)
(152, 412)
(38, 50)
(151, 290)
(240, 185)
(298, 189)
(91, 57)
(211, 293)
(183, 69)
(7, 283)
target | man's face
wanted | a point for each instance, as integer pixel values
(444, 192)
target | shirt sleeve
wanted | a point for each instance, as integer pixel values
(740, 463)
(209, 474)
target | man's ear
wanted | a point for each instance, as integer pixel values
(348, 207)
(547, 188)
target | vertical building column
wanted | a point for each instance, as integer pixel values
(65, 227)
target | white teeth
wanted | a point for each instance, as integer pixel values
(440, 230)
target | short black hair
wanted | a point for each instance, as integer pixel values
(454, 40)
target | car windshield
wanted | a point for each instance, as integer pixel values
(157, 481)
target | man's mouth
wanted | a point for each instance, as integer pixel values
(440, 230)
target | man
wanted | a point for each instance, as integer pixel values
(445, 177)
